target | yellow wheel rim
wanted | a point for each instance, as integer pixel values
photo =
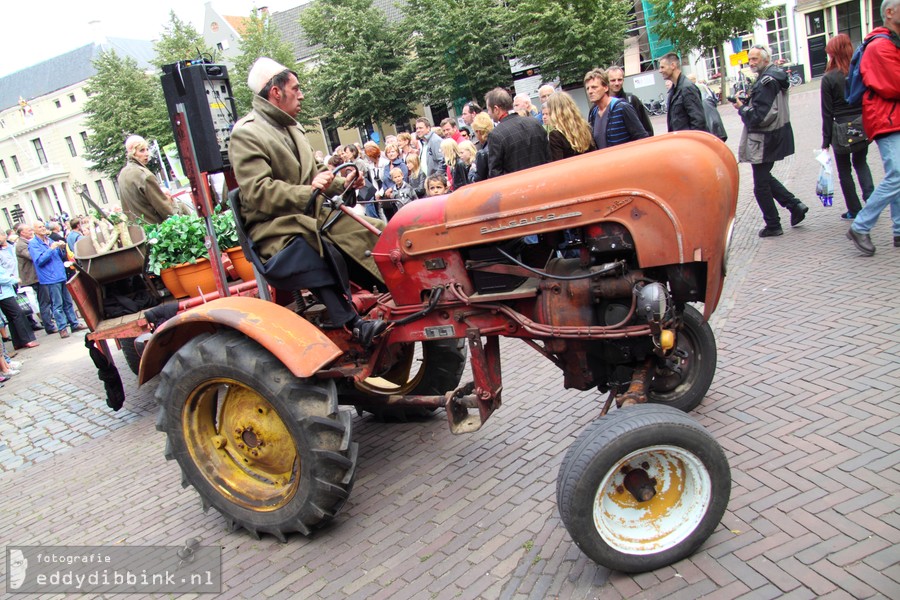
(240, 444)
(401, 378)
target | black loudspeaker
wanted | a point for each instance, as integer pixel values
(205, 92)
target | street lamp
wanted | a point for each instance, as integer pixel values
(80, 189)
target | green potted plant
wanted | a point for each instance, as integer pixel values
(178, 243)
(227, 236)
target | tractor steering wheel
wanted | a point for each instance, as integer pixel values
(350, 201)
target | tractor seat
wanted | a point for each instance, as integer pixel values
(296, 266)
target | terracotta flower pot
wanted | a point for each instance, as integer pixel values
(197, 278)
(242, 266)
(170, 280)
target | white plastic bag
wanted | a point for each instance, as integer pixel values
(825, 182)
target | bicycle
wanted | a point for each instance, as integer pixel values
(794, 79)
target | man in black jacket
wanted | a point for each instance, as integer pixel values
(517, 142)
(685, 107)
(616, 76)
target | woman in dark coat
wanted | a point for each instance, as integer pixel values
(570, 134)
(836, 110)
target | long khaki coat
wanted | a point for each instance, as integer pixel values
(141, 195)
(274, 166)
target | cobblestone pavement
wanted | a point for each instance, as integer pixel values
(805, 404)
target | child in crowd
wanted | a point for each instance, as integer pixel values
(436, 184)
(403, 194)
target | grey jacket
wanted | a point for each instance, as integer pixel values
(767, 135)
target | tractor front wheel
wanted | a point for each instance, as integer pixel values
(695, 356)
(642, 487)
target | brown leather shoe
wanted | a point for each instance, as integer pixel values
(63, 333)
(79, 327)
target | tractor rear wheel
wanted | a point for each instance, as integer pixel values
(434, 368)
(131, 355)
(642, 487)
(268, 450)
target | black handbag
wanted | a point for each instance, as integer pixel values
(848, 137)
(24, 305)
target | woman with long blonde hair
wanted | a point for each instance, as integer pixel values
(571, 134)
(483, 127)
(457, 170)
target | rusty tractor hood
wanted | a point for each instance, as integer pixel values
(676, 194)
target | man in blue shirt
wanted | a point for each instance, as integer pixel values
(52, 273)
(613, 121)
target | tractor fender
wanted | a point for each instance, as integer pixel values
(293, 340)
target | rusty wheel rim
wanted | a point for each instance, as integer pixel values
(682, 495)
(403, 376)
(240, 444)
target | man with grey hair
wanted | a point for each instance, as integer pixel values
(544, 93)
(768, 137)
(881, 104)
(522, 105)
(616, 75)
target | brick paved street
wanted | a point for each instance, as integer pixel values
(805, 403)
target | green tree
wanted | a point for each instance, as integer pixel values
(122, 100)
(705, 25)
(459, 50)
(360, 75)
(261, 38)
(566, 39)
(179, 41)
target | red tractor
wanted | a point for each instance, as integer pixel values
(250, 390)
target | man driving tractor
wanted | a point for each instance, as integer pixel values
(277, 173)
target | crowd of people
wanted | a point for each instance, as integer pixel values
(511, 133)
(507, 135)
(35, 263)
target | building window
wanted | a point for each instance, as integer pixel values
(57, 103)
(329, 125)
(713, 62)
(815, 23)
(102, 191)
(849, 21)
(3, 167)
(9, 221)
(778, 36)
(16, 163)
(84, 138)
(39, 150)
(72, 98)
(877, 21)
(71, 144)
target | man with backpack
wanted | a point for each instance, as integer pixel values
(613, 121)
(879, 68)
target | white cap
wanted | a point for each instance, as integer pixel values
(262, 72)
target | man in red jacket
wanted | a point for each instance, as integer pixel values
(881, 119)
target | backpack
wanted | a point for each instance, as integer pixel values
(855, 88)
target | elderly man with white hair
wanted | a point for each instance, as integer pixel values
(138, 187)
